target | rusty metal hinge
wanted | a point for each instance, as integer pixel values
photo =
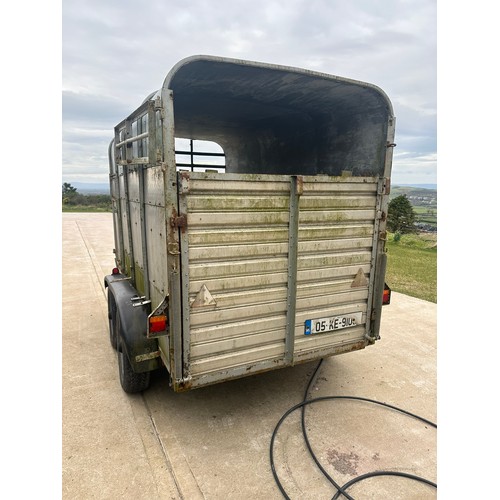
(178, 221)
(381, 215)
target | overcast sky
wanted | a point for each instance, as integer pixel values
(116, 53)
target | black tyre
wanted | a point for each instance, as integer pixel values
(130, 381)
(112, 316)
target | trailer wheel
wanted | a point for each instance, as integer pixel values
(130, 381)
(113, 331)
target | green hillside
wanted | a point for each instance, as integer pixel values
(424, 203)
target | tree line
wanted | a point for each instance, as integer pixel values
(72, 198)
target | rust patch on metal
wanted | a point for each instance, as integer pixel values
(179, 221)
(300, 184)
(184, 386)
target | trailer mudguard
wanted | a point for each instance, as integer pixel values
(142, 352)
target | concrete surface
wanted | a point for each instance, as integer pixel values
(213, 442)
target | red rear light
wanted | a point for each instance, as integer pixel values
(157, 323)
(115, 271)
(386, 298)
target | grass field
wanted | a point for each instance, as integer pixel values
(85, 208)
(412, 265)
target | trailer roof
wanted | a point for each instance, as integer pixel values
(278, 119)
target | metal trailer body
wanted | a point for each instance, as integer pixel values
(277, 259)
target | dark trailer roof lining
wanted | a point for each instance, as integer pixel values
(280, 120)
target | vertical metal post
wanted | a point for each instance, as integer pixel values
(296, 183)
(379, 256)
(121, 196)
(152, 146)
(128, 157)
(183, 184)
(173, 253)
(114, 187)
(191, 151)
(144, 234)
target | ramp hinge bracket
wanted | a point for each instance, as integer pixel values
(178, 221)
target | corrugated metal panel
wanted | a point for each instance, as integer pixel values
(238, 244)
(156, 239)
(238, 250)
(336, 225)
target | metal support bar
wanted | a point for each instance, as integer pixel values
(176, 324)
(377, 247)
(293, 241)
(144, 233)
(128, 127)
(184, 250)
(374, 335)
(142, 160)
(135, 138)
(173, 260)
(152, 140)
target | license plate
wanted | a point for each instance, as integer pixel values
(322, 325)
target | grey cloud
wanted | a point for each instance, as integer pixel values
(94, 108)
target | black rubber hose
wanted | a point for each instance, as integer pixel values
(406, 475)
(340, 489)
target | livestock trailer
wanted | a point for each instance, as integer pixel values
(249, 214)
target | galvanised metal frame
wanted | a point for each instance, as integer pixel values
(379, 255)
(183, 181)
(127, 161)
(179, 376)
(296, 183)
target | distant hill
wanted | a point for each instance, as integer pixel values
(424, 202)
(424, 186)
(419, 196)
